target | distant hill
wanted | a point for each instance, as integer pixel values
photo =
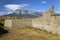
(25, 13)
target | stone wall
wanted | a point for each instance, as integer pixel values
(44, 25)
(48, 22)
(22, 22)
(8, 23)
(18, 22)
(44, 22)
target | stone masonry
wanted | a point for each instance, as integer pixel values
(48, 21)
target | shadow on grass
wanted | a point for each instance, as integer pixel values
(2, 30)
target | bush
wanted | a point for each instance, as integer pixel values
(45, 31)
(3, 31)
(1, 24)
(51, 32)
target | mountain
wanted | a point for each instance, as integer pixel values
(25, 13)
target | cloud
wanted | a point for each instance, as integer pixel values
(38, 10)
(25, 4)
(58, 12)
(2, 13)
(44, 2)
(59, 8)
(13, 7)
(9, 12)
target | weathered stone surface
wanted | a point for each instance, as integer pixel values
(48, 21)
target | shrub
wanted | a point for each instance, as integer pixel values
(3, 31)
(51, 32)
(1, 24)
(45, 31)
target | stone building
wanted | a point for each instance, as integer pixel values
(48, 21)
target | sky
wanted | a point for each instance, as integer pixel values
(8, 6)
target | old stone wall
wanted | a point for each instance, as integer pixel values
(18, 22)
(21, 22)
(8, 23)
(44, 22)
(48, 22)
(45, 25)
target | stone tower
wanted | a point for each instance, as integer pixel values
(51, 10)
(47, 15)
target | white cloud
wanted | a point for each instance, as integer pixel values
(59, 8)
(57, 12)
(9, 12)
(15, 6)
(2, 13)
(44, 2)
(38, 10)
(25, 4)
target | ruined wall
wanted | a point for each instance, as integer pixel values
(44, 22)
(48, 22)
(21, 22)
(8, 23)
(50, 26)
(57, 18)
(18, 22)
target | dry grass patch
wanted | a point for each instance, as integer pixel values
(27, 33)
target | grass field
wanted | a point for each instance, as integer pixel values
(27, 33)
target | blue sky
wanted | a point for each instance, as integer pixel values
(7, 6)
